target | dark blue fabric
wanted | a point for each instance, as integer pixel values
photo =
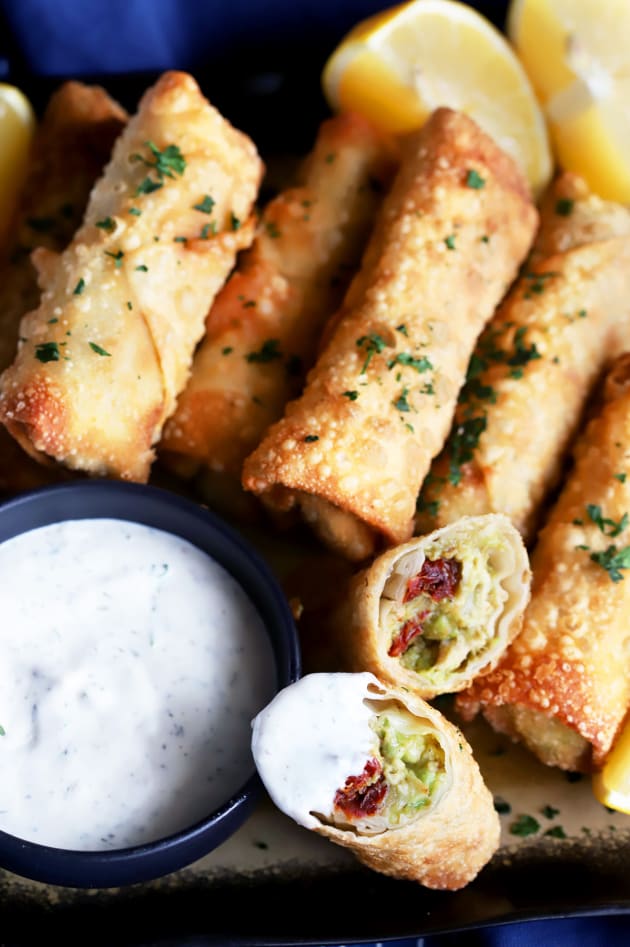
(88, 37)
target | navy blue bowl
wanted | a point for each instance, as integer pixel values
(161, 509)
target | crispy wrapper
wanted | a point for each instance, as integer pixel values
(123, 307)
(353, 450)
(392, 620)
(443, 844)
(262, 332)
(535, 366)
(72, 144)
(563, 687)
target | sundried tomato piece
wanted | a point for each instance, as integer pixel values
(438, 578)
(363, 795)
(410, 630)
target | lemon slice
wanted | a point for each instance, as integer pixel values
(576, 54)
(17, 126)
(611, 785)
(398, 66)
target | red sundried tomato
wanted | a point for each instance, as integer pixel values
(437, 578)
(410, 630)
(363, 795)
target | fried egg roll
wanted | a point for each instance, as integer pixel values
(535, 366)
(440, 610)
(352, 451)
(72, 143)
(263, 330)
(379, 771)
(109, 348)
(563, 687)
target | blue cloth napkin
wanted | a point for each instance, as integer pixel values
(92, 37)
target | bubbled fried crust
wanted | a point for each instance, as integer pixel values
(570, 661)
(125, 304)
(571, 310)
(366, 427)
(450, 842)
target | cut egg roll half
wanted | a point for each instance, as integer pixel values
(438, 611)
(379, 771)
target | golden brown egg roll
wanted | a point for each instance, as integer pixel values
(438, 611)
(262, 331)
(379, 771)
(352, 451)
(103, 358)
(535, 365)
(563, 687)
(72, 143)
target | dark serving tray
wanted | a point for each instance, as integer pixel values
(272, 91)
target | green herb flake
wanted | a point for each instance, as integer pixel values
(47, 352)
(117, 257)
(234, 222)
(537, 282)
(522, 354)
(227, 350)
(51, 322)
(525, 825)
(78, 289)
(351, 395)
(129, 306)
(564, 207)
(373, 343)
(330, 157)
(205, 206)
(166, 162)
(474, 180)
(550, 812)
(556, 831)
(401, 403)
(108, 224)
(310, 438)
(607, 526)
(402, 328)
(3, 732)
(272, 230)
(463, 443)
(484, 238)
(147, 186)
(450, 241)
(142, 268)
(135, 211)
(183, 240)
(621, 477)
(208, 229)
(269, 351)
(249, 304)
(99, 351)
(421, 364)
(613, 560)
(430, 507)
(501, 806)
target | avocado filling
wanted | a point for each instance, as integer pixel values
(403, 778)
(442, 612)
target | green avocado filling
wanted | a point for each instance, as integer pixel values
(459, 626)
(413, 763)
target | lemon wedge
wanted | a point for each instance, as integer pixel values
(17, 126)
(576, 55)
(398, 66)
(611, 785)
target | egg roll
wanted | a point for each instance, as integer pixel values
(563, 687)
(379, 771)
(535, 366)
(72, 143)
(104, 356)
(263, 329)
(437, 611)
(353, 449)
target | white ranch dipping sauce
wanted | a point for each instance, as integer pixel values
(132, 664)
(310, 738)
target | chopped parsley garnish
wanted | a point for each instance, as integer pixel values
(373, 343)
(107, 223)
(269, 351)
(148, 187)
(142, 268)
(501, 806)
(272, 229)
(205, 206)
(227, 350)
(117, 257)
(621, 477)
(51, 322)
(310, 438)
(450, 241)
(550, 812)
(97, 348)
(613, 560)
(401, 403)
(402, 328)
(463, 444)
(607, 526)
(522, 354)
(537, 284)
(484, 238)
(421, 364)
(180, 239)
(564, 206)
(129, 305)
(135, 211)
(525, 825)
(3, 732)
(78, 289)
(556, 831)
(249, 304)
(167, 163)
(208, 229)
(474, 180)
(351, 395)
(234, 221)
(47, 352)
(41, 224)
(430, 507)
